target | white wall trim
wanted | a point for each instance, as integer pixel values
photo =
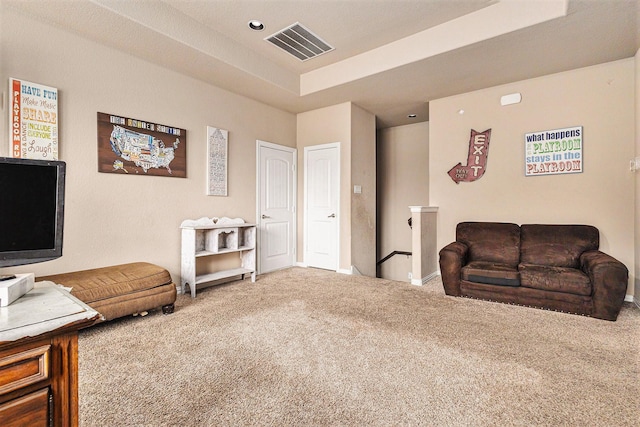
(347, 271)
(423, 209)
(420, 282)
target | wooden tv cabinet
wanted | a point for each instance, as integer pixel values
(39, 357)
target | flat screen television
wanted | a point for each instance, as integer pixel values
(31, 210)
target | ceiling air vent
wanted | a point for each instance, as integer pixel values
(299, 42)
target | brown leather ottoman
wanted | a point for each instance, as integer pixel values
(121, 290)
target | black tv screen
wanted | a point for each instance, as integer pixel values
(31, 210)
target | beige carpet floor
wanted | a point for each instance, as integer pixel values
(306, 347)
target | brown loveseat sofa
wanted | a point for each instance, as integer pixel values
(557, 267)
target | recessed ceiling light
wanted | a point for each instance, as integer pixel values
(412, 116)
(256, 25)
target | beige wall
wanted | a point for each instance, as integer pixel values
(323, 126)
(354, 129)
(599, 98)
(115, 218)
(363, 205)
(403, 172)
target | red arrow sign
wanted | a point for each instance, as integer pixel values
(476, 160)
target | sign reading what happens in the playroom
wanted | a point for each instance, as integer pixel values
(552, 152)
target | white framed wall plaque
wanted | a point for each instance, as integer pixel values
(217, 153)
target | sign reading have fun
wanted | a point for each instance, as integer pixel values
(34, 120)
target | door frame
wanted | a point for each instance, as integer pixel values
(335, 145)
(259, 237)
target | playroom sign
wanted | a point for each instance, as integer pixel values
(34, 120)
(553, 152)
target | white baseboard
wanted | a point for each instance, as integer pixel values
(628, 298)
(341, 270)
(420, 282)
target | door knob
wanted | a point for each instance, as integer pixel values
(332, 215)
(265, 216)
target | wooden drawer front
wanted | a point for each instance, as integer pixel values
(31, 410)
(24, 368)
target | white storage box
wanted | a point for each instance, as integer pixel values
(12, 289)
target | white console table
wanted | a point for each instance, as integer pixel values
(202, 241)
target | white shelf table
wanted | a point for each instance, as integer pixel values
(200, 241)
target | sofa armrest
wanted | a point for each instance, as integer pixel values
(452, 258)
(609, 278)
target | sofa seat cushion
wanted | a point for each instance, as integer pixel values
(105, 283)
(491, 273)
(558, 279)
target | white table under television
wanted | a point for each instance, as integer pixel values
(206, 241)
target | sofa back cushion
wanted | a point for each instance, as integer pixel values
(491, 241)
(557, 245)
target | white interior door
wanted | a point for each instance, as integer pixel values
(276, 206)
(322, 199)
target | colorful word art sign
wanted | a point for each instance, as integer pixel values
(476, 159)
(552, 152)
(132, 146)
(34, 120)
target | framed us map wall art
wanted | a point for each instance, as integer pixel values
(217, 146)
